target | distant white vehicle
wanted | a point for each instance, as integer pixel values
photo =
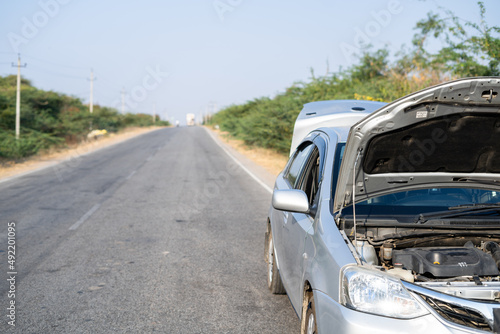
(190, 119)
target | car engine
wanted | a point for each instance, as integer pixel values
(466, 267)
(445, 262)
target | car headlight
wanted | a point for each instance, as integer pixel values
(377, 293)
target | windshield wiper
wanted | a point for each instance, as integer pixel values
(460, 210)
(476, 180)
(475, 206)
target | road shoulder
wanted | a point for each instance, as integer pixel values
(257, 162)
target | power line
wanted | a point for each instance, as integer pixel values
(110, 81)
(55, 64)
(68, 66)
(57, 73)
(43, 69)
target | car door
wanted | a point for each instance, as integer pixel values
(298, 224)
(285, 181)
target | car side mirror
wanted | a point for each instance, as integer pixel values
(293, 200)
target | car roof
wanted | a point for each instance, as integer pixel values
(339, 133)
(321, 108)
(340, 114)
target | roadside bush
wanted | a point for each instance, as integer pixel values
(29, 143)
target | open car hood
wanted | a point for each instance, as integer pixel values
(445, 136)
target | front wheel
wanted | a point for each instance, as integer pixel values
(309, 323)
(274, 282)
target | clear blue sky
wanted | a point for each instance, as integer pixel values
(185, 56)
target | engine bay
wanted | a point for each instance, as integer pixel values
(456, 262)
(445, 262)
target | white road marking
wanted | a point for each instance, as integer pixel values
(84, 217)
(131, 174)
(259, 181)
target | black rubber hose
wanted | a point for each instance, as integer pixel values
(495, 251)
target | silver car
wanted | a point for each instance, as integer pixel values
(386, 218)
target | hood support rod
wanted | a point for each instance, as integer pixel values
(354, 198)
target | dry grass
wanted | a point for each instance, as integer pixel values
(11, 168)
(272, 161)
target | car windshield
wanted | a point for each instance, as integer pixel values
(445, 201)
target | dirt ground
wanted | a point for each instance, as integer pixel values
(47, 158)
(270, 160)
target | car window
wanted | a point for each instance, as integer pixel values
(311, 176)
(297, 165)
(339, 154)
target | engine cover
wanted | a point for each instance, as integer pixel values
(446, 261)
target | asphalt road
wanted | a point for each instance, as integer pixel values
(162, 233)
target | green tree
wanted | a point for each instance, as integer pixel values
(471, 49)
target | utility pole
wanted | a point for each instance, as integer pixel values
(123, 100)
(154, 112)
(91, 102)
(18, 95)
(211, 109)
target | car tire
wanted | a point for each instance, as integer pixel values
(310, 324)
(274, 282)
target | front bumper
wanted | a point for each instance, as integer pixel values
(332, 317)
